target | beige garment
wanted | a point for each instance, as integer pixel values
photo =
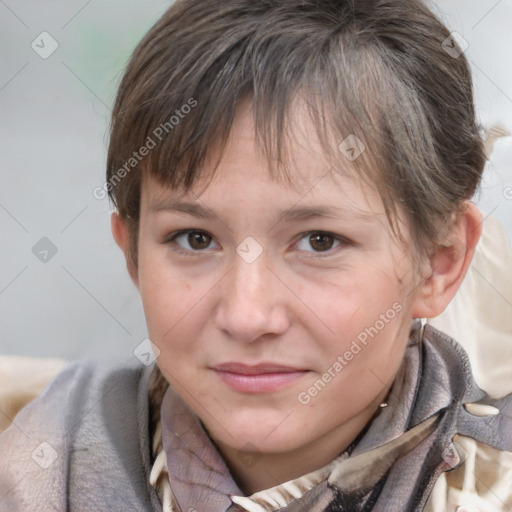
(482, 484)
(21, 380)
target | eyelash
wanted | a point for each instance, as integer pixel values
(342, 242)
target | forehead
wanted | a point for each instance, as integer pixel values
(307, 177)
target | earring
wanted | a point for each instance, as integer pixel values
(423, 323)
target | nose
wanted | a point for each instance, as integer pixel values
(252, 302)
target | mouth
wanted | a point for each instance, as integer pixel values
(260, 378)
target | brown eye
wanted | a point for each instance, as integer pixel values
(199, 240)
(321, 241)
(191, 240)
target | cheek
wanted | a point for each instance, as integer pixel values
(170, 300)
(359, 301)
(365, 354)
(175, 318)
(370, 321)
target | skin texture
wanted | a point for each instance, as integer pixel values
(301, 303)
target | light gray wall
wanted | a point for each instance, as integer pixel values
(54, 116)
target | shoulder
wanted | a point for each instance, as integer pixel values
(91, 421)
(21, 380)
(78, 392)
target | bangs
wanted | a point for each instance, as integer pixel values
(190, 119)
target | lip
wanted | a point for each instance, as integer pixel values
(259, 378)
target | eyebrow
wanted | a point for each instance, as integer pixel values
(290, 214)
(194, 209)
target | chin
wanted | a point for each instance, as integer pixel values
(254, 435)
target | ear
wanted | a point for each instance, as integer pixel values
(448, 266)
(121, 236)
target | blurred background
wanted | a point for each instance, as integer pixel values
(64, 289)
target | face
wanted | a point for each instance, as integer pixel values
(281, 314)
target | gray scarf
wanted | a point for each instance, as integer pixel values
(84, 444)
(394, 463)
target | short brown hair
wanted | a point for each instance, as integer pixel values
(378, 70)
